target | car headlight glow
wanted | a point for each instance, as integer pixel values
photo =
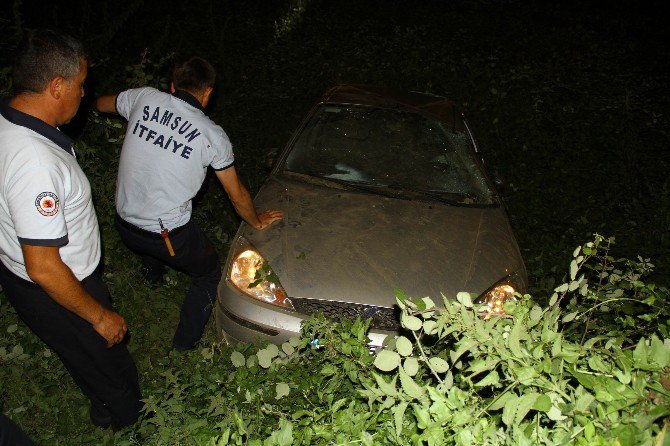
(251, 274)
(494, 299)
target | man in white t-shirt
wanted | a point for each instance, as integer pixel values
(49, 237)
(169, 145)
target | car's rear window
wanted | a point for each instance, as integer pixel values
(389, 148)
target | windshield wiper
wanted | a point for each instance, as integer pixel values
(394, 190)
(344, 184)
(462, 200)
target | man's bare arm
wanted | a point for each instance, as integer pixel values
(239, 196)
(106, 104)
(46, 268)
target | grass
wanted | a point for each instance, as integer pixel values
(570, 103)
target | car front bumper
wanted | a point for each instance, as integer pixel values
(240, 318)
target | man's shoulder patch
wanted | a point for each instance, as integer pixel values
(47, 204)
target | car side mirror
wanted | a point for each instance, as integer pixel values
(270, 158)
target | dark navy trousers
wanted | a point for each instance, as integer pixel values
(196, 256)
(11, 434)
(107, 376)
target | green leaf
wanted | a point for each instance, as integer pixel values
(389, 388)
(464, 345)
(597, 364)
(387, 360)
(514, 337)
(404, 346)
(273, 350)
(525, 375)
(524, 404)
(491, 379)
(430, 327)
(502, 401)
(410, 387)
(509, 411)
(252, 361)
(573, 269)
(623, 377)
(264, 358)
(584, 290)
(465, 299)
(411, 366)
(570, 316)
(282, 390)
(398, 417)
(428, 302)
(400, 298)
(542, 403)
(561, 288)
(422, 416)
(410, 322)
(588, 381)
(589, 430)
(535, 313)
(640, 353)
(439, 365)
(328, 370)
(287, 348)
(555, 414)
(479, 365)
(285, 434)
(237, 359)
(660, 353)
(553, 300)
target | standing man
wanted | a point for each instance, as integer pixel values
(49, 237)
(169, 144)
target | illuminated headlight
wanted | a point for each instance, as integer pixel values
(494, 299)
(251, 274)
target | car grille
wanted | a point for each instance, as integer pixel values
(383, 318)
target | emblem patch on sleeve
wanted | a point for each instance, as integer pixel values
(47, 204)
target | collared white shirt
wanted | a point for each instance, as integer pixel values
(45, 197)
(168, 146)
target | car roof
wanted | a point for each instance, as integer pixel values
(429, 105)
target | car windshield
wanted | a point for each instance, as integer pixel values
(389, 151)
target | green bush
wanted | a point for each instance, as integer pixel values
(453, 378)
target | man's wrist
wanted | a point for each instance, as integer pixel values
(99, 317)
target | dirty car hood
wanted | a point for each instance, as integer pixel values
(358, 247)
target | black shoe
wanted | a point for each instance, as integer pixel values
(100, 417)
(154, 279)
(154, 274)
(181, 349)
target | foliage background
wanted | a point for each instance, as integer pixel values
(569, 100)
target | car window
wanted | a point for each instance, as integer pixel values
(389, 148)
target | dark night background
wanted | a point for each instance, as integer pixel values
(569, 99)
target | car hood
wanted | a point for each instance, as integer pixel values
(358, 247)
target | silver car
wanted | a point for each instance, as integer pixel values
(381, 190)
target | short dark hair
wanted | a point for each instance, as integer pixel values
(193, 74)
(41, 56)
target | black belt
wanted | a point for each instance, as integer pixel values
(143, 232)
